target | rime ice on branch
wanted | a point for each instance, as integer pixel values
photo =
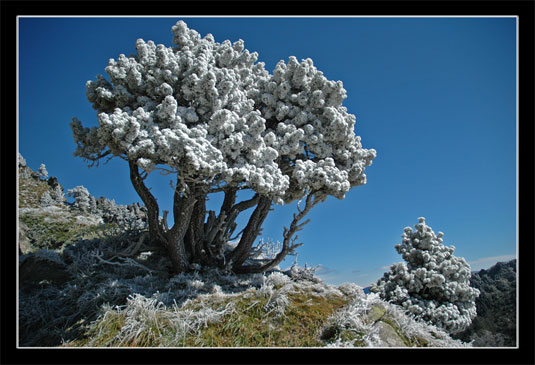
(210, 114)
(434, 285)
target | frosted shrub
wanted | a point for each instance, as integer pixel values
(123, 215)
(82, 198)
(46, 199)
(277, 279)
(42, 171)
(57, 195)
(360, 319)
(22, 161)
(434, 285)
(211, 115)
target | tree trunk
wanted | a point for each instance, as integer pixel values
(192, 240)
(195, 236)
(172, 239)
(251, 231)
(153, 211)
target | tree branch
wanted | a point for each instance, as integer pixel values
(251, 231)
(153, 211)
(288, 244)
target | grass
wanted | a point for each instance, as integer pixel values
(46, 233)
(31, 191)
(246, 321)
(299, 326)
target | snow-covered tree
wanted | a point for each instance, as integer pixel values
(57, 194)
(46, 200)
(42, 171)
(123, 215)
(82, 198)
(212, 116)
(434, 285)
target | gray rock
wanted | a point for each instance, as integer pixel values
(389, 336)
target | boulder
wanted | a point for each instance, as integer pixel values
(53, 182)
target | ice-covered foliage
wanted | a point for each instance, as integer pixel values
(46, 199)
(361, 317)
(130, 217)
(52, 197)
(210, 110)
(57, 195)
(42, 171)
(82, 198)
(211, 114)
(21, 160)
(433, 285)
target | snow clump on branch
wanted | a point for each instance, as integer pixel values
(211, 112)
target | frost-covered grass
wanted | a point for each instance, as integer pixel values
(115, 301)
(31, 191)
(53, 227)
(267, 311)
(356, 325)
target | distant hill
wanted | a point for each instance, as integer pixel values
(495, 324)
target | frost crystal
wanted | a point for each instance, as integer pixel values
(434, 285)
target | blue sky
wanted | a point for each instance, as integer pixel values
(436, 97)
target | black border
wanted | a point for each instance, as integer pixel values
(524, 354)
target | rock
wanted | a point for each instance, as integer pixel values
(389, 336)
(44, 267)
(376, 312)
(24, 243)
(53, 182)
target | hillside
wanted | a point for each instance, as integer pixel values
(92, 278)
(495, 323)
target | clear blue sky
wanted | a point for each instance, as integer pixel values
(436, 97)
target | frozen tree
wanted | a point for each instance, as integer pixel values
(42, 171)
(210, 115)
(82, 198)
(434, 285)
(57, 194)
(46, 200)
(127, 216)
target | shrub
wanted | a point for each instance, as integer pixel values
(434, 285)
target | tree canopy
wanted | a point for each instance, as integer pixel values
(209, 113)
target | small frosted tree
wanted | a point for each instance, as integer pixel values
(57, 194)
(210, 115)
(46, 199)
(434, 285)
(42, 171)
(82, 198)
